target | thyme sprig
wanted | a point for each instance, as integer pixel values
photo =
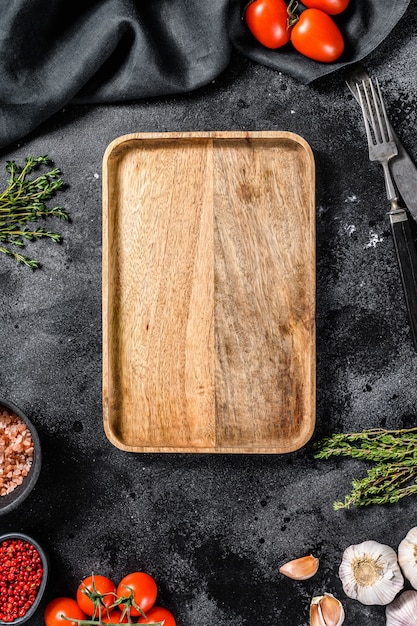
(394, 475)
(24, 202)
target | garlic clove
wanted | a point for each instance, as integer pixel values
(300, 569)
(370, 573)
(403, 611)
(332, 610)
(326, 610)
(315, 618)
(407, 556)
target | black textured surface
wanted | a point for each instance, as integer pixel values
(214, 530)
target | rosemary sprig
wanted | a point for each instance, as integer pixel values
(23, 202)
(394, 475)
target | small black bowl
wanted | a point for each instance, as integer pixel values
(41, 590)
(11, 500)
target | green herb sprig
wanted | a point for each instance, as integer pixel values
(24, 202)
(394, 474)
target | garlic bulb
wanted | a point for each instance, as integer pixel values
(407, 556)
(326, 611)
(370, 573)
(300, 569)
(403, 611)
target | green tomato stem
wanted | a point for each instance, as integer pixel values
(292, 15)
(91, 622)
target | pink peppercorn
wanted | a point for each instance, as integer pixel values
(21, 573)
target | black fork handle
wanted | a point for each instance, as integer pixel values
(406, 252)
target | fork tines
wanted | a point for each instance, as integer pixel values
(373, 110)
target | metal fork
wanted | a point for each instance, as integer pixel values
(382, 148)
(402, 168)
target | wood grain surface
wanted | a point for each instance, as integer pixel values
(209, 292)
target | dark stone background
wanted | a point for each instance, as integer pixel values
(214, 529)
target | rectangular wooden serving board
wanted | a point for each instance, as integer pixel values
(209, 292)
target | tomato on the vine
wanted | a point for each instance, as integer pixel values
(156, 615)
(61, 611)
(331, 7)
(94, 592)
(115, 617)
(137, 588)
(316, 36)
(268, 21)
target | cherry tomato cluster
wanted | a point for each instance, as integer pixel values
(99, 601)
(313, 32)
(21, 573)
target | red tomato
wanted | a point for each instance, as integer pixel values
(115, 617)
(317, 37)
(94, 592)
(331, 7)
(59, 609)
(268, 22)
(139, 588)
(158, 614)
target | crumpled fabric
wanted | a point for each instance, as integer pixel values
(104, 51)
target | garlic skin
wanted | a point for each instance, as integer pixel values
(300, 569)
(326, 610)
(407, 556)
(403, 611)
(370, 573)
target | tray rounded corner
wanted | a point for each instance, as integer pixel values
(304, 437)
(114, 146)
(302, 141)
(110, 434)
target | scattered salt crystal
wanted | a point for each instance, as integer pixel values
(374, 239)
(350, 229)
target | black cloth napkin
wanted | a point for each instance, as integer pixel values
(103, 51)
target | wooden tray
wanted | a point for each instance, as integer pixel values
(209, 292)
